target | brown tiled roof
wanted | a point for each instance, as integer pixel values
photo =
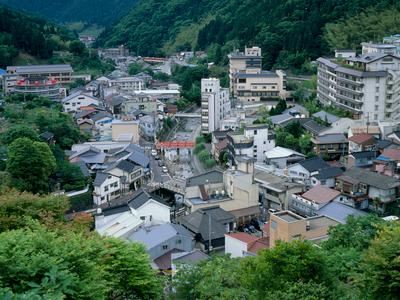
(261, 243)
(244, 237)
(362, 138)
(320, 194)
(392, 154)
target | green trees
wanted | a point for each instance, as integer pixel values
(380, 266)
(58, 265)
(371, 25)
(30, 165)
(293, 136)
(286, 271)
(18, 209)
(359, 261)
(77, 47)
(291, 34)
(44, 257)
(18, 131)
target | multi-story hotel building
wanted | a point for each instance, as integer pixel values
(61, 73)
(249, 83)
(215, 104)
(368, 85)
(39, 86)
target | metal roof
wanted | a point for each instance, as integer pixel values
(41, 68)
(340, 212)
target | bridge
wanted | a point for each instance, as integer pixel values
(187, 115)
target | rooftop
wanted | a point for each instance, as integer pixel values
(340, 212)
(262, 74)
(205, 178)
(373, 179)
(314, 164)
(288, 216)
(320, 194)
(325, 116)
(279, 152)
(362, 138)
(41, 68)
(331, 138)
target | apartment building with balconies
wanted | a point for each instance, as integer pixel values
(368, 85)
(215, 104)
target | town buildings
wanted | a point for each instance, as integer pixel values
(215, 104)
(287, 226)
(249, 83)
(254, 142)
(233, 190)
(365, 85)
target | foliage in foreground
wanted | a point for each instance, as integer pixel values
(44, 257)
(359, 261)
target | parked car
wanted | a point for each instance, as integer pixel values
(164, 169)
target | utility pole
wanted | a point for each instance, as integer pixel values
(209, 233)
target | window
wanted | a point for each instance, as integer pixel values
(178, 242)
(255, 132)
(376, 107)
(376, 98)
(377, 89)
(142, 218)
(377, 79)
(165, 247)
(106, 188)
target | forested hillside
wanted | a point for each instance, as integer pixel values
(102, 12)
(24, 33)
(290, 32)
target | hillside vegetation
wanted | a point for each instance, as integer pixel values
(25, 33)
(371, 25)
(102, 12)
(289, 32)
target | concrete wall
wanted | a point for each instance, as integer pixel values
(118, 129)
(234, 247)
(159, 213)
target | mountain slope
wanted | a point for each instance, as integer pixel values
(20, 32)
(101, 12)
(290, 32)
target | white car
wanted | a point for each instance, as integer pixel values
(154, 152)
(164, 169)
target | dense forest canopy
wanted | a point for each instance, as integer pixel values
(102, 12)
(287, 31)
(35, 36)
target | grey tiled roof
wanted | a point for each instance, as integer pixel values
(314, 164)
(325, 116)
(199, 223)
(202, 179)
(331, 138)
(364, 154)
(279, 119)
(100, 178)
(142, 197)
(373, 179)
(329, 173)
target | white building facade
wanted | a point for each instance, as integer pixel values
(368, 86)
(215, 104)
